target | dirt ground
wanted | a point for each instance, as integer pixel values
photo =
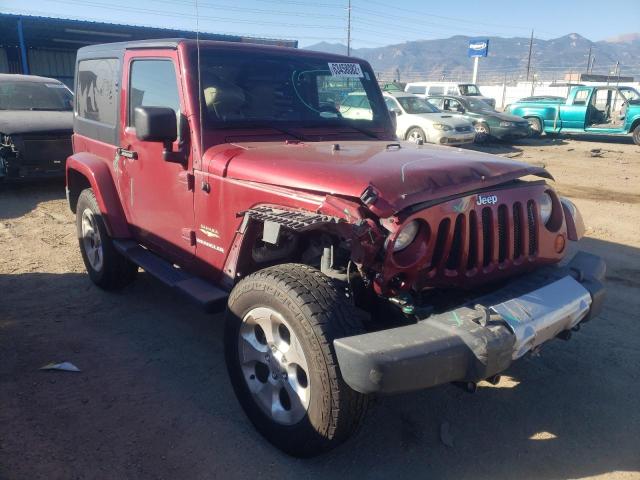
(153, 399)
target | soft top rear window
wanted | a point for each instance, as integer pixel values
(97, 90)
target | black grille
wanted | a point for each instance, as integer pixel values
(487, 236)
(443, 232)
(456, 247)
(502, 233)
(46, 150)
(463, 129)
(472, 259)
(531, 218)
(517, 230)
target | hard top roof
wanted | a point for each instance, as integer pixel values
(173, 43)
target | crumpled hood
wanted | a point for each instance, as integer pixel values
(400, 176)
(35, 121)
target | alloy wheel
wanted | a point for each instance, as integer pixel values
(274, 366)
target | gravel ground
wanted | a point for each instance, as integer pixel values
(153, 399)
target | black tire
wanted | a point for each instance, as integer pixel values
(416, 134)
(483, 133)
(317, 313)
(636, 135)
(536, 126)
(114, 271)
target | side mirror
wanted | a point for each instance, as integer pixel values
(460, 109)
(398, 112)
(155, 124)
(158, 124)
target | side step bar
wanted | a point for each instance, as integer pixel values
(204, 293)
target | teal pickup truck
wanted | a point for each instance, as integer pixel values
(602, 110)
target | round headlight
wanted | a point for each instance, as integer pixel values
(546, 206)
(406, 236)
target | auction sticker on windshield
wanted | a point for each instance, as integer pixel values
(349, 70)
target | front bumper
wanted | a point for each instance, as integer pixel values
(461, 346)
(452, 137)
(510, 132)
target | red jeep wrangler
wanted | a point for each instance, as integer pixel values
(351, 264)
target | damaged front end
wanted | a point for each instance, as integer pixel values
(34, 155)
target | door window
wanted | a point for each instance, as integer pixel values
(451, 105)
(436, 90)
(436, 102)
(153, 84)
(97, 90)
(581, 97)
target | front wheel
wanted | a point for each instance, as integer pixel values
(279, 330)
(636, 135)
(416, 135)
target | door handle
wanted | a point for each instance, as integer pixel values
(130, 154)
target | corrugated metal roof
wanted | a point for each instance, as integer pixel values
(53, 22)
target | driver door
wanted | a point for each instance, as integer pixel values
(159, 194)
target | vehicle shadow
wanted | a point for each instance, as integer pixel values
(511, 148)
(153, 399)
(18, 198)
(613, 139)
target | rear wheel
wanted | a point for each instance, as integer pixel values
(536, 126)
(106, 267)
(636, 135)
(279, 331)
(416, 135)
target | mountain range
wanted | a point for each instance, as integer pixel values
(447, 58)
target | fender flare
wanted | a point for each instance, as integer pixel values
(97, 174)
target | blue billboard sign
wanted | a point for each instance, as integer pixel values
(478, 47)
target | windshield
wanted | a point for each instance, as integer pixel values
(478, 105)
(630, 94)
(278, 88)
(15, 95)
(416, 105)
(469, 90)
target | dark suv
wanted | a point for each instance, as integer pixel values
(36, 123)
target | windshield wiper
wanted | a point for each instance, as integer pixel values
(241, 126)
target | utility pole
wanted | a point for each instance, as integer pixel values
(349, 29)
(530, 50)
(589, 59)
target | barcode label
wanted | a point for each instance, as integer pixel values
(349, 70)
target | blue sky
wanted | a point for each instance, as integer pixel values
(374, 22)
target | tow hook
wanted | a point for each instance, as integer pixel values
(405, 302)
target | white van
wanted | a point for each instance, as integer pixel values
(430, 89)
